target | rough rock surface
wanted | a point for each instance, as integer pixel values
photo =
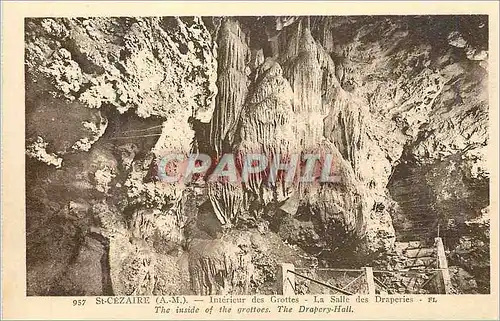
(400, 102)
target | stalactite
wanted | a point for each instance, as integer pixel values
(226, 199)
(233, 55)
(267, 126)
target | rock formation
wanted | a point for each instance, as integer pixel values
(400, 102)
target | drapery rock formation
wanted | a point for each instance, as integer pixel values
(401, 104)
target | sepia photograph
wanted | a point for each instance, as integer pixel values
(257, 155)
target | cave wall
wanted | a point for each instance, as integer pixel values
(400, 102)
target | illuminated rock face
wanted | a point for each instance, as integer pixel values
(388, 97)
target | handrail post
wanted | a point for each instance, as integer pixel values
(443, 266)
(285, 280)
(369, 279)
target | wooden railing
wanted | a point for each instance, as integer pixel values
(366, 280)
